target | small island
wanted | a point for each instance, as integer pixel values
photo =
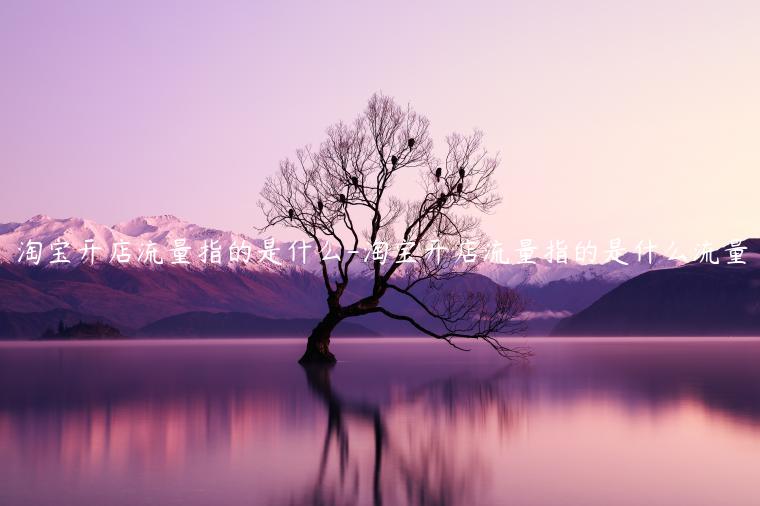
(82, 330)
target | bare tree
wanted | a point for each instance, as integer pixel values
(340, 193)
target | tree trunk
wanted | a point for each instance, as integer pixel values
(318, 344)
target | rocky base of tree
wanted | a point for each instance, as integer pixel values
(317, 356)
(318, 344)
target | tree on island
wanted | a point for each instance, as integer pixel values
(340, 196)
(82, 330)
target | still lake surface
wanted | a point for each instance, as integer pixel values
(397, 421)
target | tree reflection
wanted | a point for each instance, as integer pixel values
(411, 457)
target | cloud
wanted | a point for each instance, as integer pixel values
(544, 315)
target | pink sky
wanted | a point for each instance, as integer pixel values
(613, 119)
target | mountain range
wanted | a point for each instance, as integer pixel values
(698, 298)
(137, 294)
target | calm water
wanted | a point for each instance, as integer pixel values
(584, 422)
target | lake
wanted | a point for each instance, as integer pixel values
(396, 421)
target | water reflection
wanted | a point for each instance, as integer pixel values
(398, 422)
(413, 463)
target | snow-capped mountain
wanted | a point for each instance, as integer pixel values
(147, 240)
(543, 272)
(141, 242)
(137, 292)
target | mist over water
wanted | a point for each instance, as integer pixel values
(397, 421)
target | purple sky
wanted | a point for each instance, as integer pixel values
(630, 119)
